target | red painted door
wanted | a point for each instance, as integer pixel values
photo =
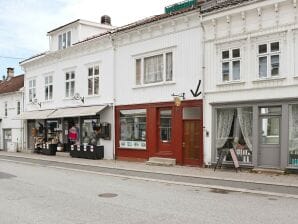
(191, 142)
(164, 132)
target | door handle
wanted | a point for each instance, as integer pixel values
(183, 144)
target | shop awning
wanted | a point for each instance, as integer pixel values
(35, 115)
(77, 111)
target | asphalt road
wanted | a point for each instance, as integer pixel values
(197, 181)
(37, 194)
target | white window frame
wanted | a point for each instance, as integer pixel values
(64, 40)
(69, 82)
(230, 60)
(48, 80)
(164, 73)
(268, 54)
(31, 90)
(92, 78)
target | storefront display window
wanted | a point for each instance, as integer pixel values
(293, 135)
(133, 129)
(91, 131)
(234, 130)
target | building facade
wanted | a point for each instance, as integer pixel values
(251, 85)
(157, 60)
(11, 101)
(68, 90)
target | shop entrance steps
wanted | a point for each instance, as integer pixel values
(268, 170)
(159, 161)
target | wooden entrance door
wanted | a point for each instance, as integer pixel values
(192, 141)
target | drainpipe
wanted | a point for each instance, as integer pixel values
(114, 95)
(203, 79)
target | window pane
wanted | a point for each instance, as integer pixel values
(225, 55)
(72, 75)
(90, 86)
(133, 129)
(236, 53)
(96, 70)
(72, 88)
(270, 110)
(30, 83)
(138, 71)
(293, 135)
(64, 41)
(169, 67)
(96, 85)
(263, 67)
(67, 76)
(68, 38)
(270, 130)
(34, 83)
(46, 80)
(236, 70)
(191, 113)
(153, 69)
(50, 79)
(46, 93)
(275, 65)
(165, 125)
(225, 71)
(51, 92)
(91, 131)
(90, 71)
(262, 48)
(67, 89)
(274, 46)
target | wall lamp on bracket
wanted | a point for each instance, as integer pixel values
(35, 101)
(77, 96)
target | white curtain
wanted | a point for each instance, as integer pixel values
(293, 128)
(245, 120)
(224, 123)
(153, 67)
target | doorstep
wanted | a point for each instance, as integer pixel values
(159, 161)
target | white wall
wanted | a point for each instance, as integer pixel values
(10, 122)
(183, 38)
(248, 26)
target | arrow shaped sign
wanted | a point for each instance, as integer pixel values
(196, 93)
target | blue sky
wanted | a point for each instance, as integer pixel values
(24, 23)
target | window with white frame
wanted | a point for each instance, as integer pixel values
(5, 109)
(231, 62)
(154, 69)
(69, 84)
(49, 87)
(93, 80)
(18, 107)
(32, 90)
(64, 40)
(269, 58)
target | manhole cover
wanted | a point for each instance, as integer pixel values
(219, 191)
(107, 195)
(6, 175)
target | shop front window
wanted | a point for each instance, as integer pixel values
(293, 135)
(91, 131)
(133, 129)
(234, 130)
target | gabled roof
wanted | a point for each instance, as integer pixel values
(14, 84)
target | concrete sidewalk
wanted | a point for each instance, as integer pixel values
(183, 171)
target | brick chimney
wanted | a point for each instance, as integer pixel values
(10, 73)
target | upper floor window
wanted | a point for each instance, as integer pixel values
(49, 87)
(32, 90)
(18, 107)
(93, 80)
(269, 57)
(230, 60)
(64, 40)
(154, 69)
(5, 109)
(69, 84)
